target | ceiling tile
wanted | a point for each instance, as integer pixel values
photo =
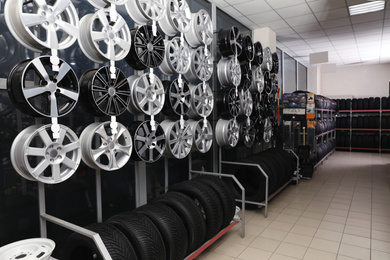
(343, 36)
(362, 18)
(264, 17)
(309, 27)
(247, 8)
(232, 11)
(368, 25)
(339, 30)
(387, 13)
(321, 45)
(332, 14)
(307, 35)
(346, 47)
(301, 20)
(279, 24)
(386, 22)
(323, 5)
(294, 42)
(284, 31)
(247, 22)
(375, 32)
(293, 11)
(276, 4)
(318, 39)
(335, 23)
(220, 3)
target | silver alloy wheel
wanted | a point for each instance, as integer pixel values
(36, 156)
(103, 3)
(267, 130)
(257, 80)
(177, 57)
(102, 39)
(179, 139)
(177, 19)
(147, 97)
(201, 30)
(202, 101)
(148, 144)
(267, 59)
(229, 72)
(39, 91)
(201, 65)
(246, 102)
(102, 149)
(247, 132)
(33, 248)
(143, 11)
(179, 97)
(202, 135)
(234, 103)
(40, 26)
(227, 132)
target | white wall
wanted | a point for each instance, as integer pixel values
(356, 81)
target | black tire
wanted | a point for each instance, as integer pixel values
(79, 247)
(385, 104)
(384, 142)
(226, 197)
(360, 105)
(142, 234)
(366, 104)
(366, 122)
(377, 103)
(170, 226)
(208, 201)
(371, 103)
(190, 214)
(355, 104)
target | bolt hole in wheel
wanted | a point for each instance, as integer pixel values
(179, 139)
(37, 157)
(230, 42)
(201, 29)
(103, 95)
(227, 132)
(147, 50)
(177, 57)
(202, 135)
(33, 248)
(202, 101)
(148, 144)
(102, 149)
(229, 72)
(41, 26)
(177, 18)
(39, 91)
(143, 11)
(146, 96)
(102, 39)
(178, 98)
(201, 65)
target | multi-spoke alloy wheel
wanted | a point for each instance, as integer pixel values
(246, 102)
(148, 142)
(201, 30)
(102, 39)
(202, 101)
(274, 84)
(104, 95)
(179, 139)
(246, 76)
(177, 19)
(257, 80)
(258, 54)
(227, 132)
(202, 135)
(201, 65)
(229, 104)
(103, 149)
(267, 130)
(40, 26)
(177, 57)
(267, 82)
(39, 91)
(143, 11)
(147, 50)
(147, 94)
(230, 41)
(38, 157)
(267, 60)
(258, 106)
(178, 97)
(103, 3)
(248, 52)
(247, 132)
(275, 63)
(229, 72)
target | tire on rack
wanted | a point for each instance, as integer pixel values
(142, 234)
(80, 247)
(170, 226)
(226, 197)
(208, 202)
(190, 214)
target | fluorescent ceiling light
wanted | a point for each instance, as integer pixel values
(372, 6)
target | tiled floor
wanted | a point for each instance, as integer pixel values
(342, 213)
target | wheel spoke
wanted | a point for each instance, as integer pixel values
(98, 36)
(53, 105)
(101, 131)
(69, 163)
(29, 20)
(68, 28)
(34, 91)
(34, 151)
(56, 172)
(44, 135)
(40, 168)
(60, 6)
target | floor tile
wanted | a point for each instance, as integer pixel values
(266, 244)
(382, 246)
(363, 223)
(297, 239)
(291, 250)
(377, 255)
(308, 222)
(215, 256)
(335, 219)
(356, 241)
(286, 218)
(332, 226)
(328, 235)
(354, 251)
(236, 238)
(303, 230)
(279, 225)
(230, 249)
(251, 253)
(324, 245)
(380, 235)
(312, 253)
(273, 234)
(357, 231)
(281, 257)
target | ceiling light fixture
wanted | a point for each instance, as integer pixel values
(372, 6)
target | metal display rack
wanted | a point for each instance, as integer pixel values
(326, 136)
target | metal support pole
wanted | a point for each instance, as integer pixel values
(99, 206)
(42, 208)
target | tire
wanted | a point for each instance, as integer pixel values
(208, 201)
(79, 247)
(355, 104)
(360, 105)
(170, 226)
(226, 197)
(348, 104)
(142, 234)
(371, 103)
(190, 214)
(377, 103)
(385, 104)
(384, 142)
(365, 104)
(366, 122)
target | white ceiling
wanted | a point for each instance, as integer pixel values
(308, 26)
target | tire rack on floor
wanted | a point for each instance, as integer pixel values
(325, 158)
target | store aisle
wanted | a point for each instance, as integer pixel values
(342, 213)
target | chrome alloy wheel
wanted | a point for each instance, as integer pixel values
(202, 101)
(202, 135)
(230, 42)
(179, 139)
(201, 30)
(143, 11)
(178, 98)
(257, 80)
(201, 65)
(267, 60)
(40, 26)
(247, 132)
(267, 130)
(246, 102)
(229, 72)
(102, 149)
(227, 132)
(177, 19)
(37, 157)
(177, 58)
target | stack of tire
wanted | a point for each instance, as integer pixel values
(324, 148)
(170, 227)
(365, 140)
(277, 163)
(322, 102)
(371, 103)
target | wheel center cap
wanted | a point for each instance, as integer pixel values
(111, 146)
(150, 46)
(111, 35)
(182, 97)
(52, 86)
(111, 91)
